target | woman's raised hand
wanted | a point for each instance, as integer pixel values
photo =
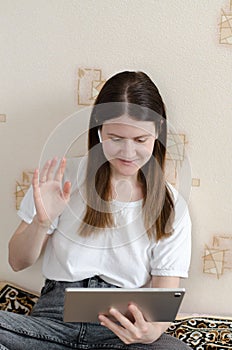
(49, 196)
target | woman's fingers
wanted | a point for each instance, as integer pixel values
(47, 176)
(35, 179)
(114, 327)
(67, 190)
(51, 169)
(137, 314)
(36, 189)
(48, 171)
(124, 321)
(129, 332)
(61, 169)
(50, 196)
(44, 171)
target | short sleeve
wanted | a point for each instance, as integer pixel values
(27, 210)
(171, 256)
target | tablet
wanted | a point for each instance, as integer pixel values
(157, 304)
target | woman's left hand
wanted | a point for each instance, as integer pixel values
(139, 331)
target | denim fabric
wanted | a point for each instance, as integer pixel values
(44, 329)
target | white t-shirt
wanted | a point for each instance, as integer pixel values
(123, 255)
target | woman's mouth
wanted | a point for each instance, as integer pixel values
(127, 162)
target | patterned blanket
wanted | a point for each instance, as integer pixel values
(15, 299)
(203, 333)
(200, 333)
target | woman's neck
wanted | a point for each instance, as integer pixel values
(126, 189)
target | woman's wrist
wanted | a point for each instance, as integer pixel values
(42, 224)
(160, 328)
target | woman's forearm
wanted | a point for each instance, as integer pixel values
(27, 243)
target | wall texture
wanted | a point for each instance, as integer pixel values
(43, 45)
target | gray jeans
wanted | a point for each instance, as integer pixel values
(44, 329)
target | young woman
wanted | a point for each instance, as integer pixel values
(115, 222)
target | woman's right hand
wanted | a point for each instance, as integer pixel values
(49, 196)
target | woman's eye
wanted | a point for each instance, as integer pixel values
(116, 139)
(137, 140)
(142, 140)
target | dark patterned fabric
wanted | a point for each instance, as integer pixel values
(203, 333)
(16, 300)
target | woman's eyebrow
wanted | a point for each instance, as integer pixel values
(122, 137)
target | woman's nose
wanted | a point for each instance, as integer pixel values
(128, 149)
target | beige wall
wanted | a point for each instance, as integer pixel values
(42, 46)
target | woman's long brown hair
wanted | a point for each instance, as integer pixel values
(133, 94)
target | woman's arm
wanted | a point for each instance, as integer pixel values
(50, 200)
(164, 282)
(27, 244)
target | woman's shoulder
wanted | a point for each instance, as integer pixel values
(180, 204)
(175, 193)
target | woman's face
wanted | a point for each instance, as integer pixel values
(127, 144)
